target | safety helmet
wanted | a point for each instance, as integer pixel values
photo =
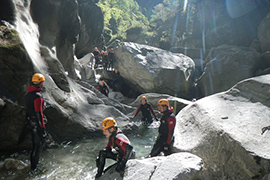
(38, 78)
(144, 97)
(102, 83)
(163, 102)
(108, 123)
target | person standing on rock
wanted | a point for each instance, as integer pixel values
(118, 147)
(165, 138)
(103, 88)
(97, 55)
(145, 108)
(35, 118)
(111, 57)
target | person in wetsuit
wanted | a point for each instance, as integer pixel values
(145, 108)
(165, 139)
(118, 147)
(35, 118)
(103, 88)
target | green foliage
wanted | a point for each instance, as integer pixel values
(120, 15)
(9, 37)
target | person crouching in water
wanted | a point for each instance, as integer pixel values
(35, 118)
(165, 138)
(145, 108)
(118, 147)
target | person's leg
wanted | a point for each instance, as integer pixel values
(100, 161)
(149, 120)
(158, 147)
(37, 141)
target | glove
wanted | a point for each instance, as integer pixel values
(166, 147)
(44, 133)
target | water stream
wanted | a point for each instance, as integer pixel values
(76, 159)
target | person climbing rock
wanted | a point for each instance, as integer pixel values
(118, 147)
(103, 88)
(165, 138)
(35, 118)
(145, 108)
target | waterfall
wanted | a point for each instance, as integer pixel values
(29, 33)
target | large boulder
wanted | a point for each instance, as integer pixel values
(176, 166)
(226, 66)
(150, 69)
(225, 131)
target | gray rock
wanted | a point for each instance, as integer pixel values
(150, 69)
(225, 131)
(226, 66)
(264, 33)
(176, 166)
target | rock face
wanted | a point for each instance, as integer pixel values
(74, 27)
(263, 33)
(226, 66)
(12, 119)
(224, 130)
(176, 166)
(150, 69)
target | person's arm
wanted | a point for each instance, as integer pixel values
(38, 105)
(136, 113)
(152, 111)
(107, 89)
(127, 149)
(171, 125)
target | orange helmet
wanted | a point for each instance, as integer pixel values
(163, 102)
(38, 78)
(116, 70)
(108, 123)
(144, 97)
(102, 83)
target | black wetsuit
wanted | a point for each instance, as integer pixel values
(119, 149)
(165, 138)
(146, 116)
(35, 122)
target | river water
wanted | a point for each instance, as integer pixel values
(75, 160)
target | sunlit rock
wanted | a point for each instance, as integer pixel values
(226, 66)
(176, 166)
(149, 69)
(225, 131)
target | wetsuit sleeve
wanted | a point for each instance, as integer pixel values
(151, 109)
(171, 125)
(107, 89)
(38, 105)
(138, 110)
